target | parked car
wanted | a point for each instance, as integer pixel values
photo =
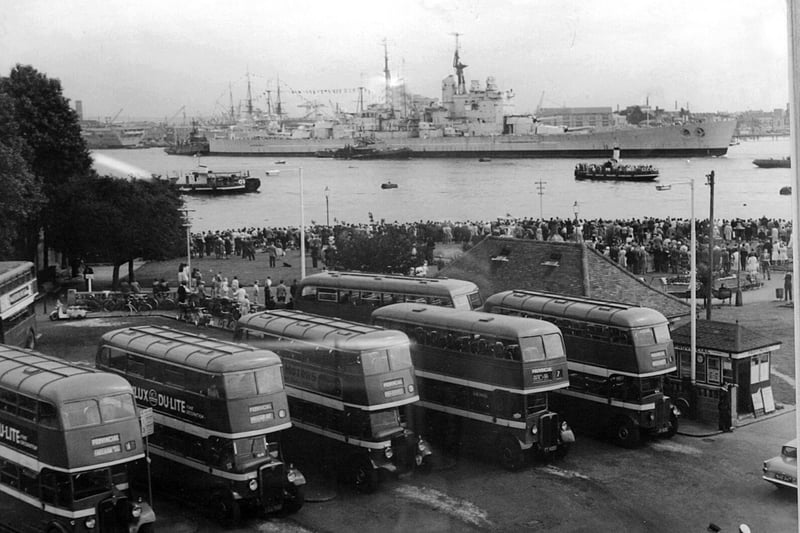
(782, 470)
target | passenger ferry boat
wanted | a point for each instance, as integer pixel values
(205, 181)
(614, 170)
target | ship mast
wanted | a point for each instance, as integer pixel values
(249, 98)
(459, 66)
(388, 79)
(278, 106)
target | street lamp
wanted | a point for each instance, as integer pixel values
(692, 282)
(327, 207)
(302, 224)
(575, 209)
(188, 243)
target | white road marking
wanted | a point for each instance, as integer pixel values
(94, 322)
(560, 472)
(458, 509)
(672, 446)
(788, 379)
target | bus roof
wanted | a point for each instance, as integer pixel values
(8, 267)
(586, 309)
(387, 283)
(475, 322)
(341, 334)
(49, 378)
(194, 351)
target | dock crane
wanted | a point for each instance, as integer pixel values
(112, 119)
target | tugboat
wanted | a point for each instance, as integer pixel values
(786, 162)
(204, 181)
(367, 150)
(614, 170)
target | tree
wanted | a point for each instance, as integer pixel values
(20, 191)
(115, 220)
(38, 128)
(387, 251)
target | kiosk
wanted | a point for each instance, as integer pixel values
(732, 362)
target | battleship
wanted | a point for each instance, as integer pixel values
(479, 122)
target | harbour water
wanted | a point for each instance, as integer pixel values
(466, 189)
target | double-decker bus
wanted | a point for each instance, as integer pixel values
(485, 377)
(68, 434)
(218, 411)
(618, 355)
(18, 291)
(354, 295)
(347, 383)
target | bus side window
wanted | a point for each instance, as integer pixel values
(513, 352)
(115, 358)
(418, 336)
(154, 370)
(48, 416)
(498, 350)
(9, 474)
(27, 407)
(309, 293)
(136, 366)
(8, 401)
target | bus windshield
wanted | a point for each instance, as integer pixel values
(118, 407)
(380, 361)
(541, 348)
(248, 384)
(384, 423)
(92, 483)
(643, 337)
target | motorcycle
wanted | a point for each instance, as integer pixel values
(66, 312)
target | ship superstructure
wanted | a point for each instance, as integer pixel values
(473, 120)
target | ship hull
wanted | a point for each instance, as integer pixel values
(695, 140)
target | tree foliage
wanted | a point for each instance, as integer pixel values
(389, 250)
(47, 182)
(115, 220)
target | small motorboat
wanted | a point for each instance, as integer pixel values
(388, 185)
(484, 159)
(272, 172)
(280, 162)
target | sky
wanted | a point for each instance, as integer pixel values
(171, 60)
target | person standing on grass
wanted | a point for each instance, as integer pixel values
(280, 292)
(787, 287)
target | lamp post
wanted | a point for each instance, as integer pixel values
(188, 243)
(302, 223)
(710, 183)
(327, 206)
(576, 209)
(692, 283)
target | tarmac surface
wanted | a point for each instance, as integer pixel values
(749, 300)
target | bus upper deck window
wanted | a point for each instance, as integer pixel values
(81, 413)
(532, 348)
(117, 407)
(662, 333)
(643, 337)
(240, 385)
(268, 380)
(374, 362)
(553, 346)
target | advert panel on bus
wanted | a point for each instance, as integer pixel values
(68, 435)
(219, 410)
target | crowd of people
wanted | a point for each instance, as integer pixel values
(640, 245)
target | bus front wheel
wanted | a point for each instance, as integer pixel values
(294, 500)
(226, 509)
(365, 476)
(626, 433)
(510, 453)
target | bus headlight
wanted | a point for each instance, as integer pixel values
(90, 522)
(136, 510)
(253, 484)
(388, 452)
(282, 413)
(291, 476)
(410, 388)
(651, 417)
(534, 430)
